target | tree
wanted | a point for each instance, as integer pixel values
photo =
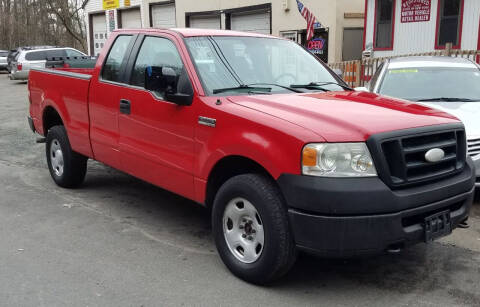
(42, 22)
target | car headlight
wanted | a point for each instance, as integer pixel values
(337, 160)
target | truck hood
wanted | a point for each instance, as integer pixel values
(467, 112)
(345, 116)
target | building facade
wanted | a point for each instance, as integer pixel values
(339, 38)
(398, 27)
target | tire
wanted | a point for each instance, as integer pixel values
(67, 167)
(232, 208)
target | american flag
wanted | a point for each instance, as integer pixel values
(312, 22)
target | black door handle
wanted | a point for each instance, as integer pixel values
(124, 106)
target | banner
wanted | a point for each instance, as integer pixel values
(416, 10)
(110, 4)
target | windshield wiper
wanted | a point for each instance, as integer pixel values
(448, 99)
(278, 85)
(242, 87)
(318, 85)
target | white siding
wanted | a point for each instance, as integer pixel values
(131, 19)
(418, 37)
(258, 22)
(471, 18)
(205, 22)
(163, 16)
(99, 32)
(370, 15)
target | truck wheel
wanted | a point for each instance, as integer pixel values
(251, 229)
(67, 167)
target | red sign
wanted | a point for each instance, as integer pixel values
(416, 10)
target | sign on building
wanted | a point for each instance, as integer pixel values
(110, 4)
(111, 20)
(416, 10)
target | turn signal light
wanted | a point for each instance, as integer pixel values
(309, 156)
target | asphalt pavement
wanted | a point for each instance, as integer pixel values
(118, 241)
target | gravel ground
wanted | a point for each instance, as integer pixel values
(118, 241)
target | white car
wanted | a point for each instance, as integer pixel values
(3, 59)
(27, 59)
(449, 84)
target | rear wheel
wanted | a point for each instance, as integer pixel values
(251, 229)
(67, 167)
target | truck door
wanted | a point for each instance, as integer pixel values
(104, 101)
(156, 136)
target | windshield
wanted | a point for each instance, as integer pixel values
(238, 65)
(432, 83)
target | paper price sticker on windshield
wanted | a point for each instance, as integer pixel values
(416, 10)
(402, 71)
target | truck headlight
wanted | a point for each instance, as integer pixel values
(337, 160)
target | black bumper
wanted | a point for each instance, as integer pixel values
(343, 217)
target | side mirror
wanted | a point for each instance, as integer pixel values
(361, 89)
(174, 87)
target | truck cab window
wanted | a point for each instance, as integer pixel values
(155, 52)
(111, 68)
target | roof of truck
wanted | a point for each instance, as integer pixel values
(189, 32)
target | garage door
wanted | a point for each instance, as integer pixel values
(163, 16)
(258, 21)
(99, 31)
(131, 19)
(205, 22)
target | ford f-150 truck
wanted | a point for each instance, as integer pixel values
(257, 129)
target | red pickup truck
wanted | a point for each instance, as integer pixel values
(254, 127)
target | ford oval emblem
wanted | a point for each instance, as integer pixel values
(434, 155)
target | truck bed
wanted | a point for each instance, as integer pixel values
(65, 90)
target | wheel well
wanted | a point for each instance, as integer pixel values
(50, 118)
(227, 168)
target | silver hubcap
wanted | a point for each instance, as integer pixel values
(243, 230)
(56, 157)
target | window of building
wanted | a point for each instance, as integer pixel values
(384, 24)
(291, 35)
(449, 23)
(112, 67)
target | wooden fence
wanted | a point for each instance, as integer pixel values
(358, 73)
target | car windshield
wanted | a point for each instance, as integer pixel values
(238, 65)
(433, 83)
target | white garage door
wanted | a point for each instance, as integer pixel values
(258, 21)
(99, 30)
(163, 16)
(205, 22)
(131, 19)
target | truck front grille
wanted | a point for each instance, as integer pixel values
(400, 156)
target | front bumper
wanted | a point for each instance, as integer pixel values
(344, 217)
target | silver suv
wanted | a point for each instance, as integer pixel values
(28, 59)
(3, 59)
